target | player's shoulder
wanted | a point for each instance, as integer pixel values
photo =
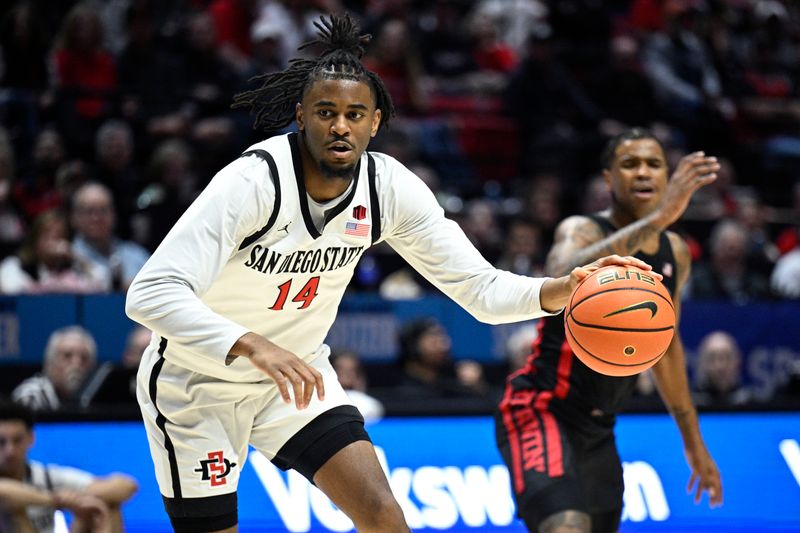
(681, 252)
(277, 148)
(578, 223)
(252, 164)
(391, 174)
(679, 245)
(386, 164)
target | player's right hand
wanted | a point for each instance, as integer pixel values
(694, 171)
(284, 367)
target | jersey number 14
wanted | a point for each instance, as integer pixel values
(305, 295)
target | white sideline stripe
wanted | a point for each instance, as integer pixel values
(791, 453)
(60, 525)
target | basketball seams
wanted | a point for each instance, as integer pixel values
(643, 364)
(615, 289)
(597, 358)
(614, 328)
(615, 365)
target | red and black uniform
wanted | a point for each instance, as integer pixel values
(555, 423)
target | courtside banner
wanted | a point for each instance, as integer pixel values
(448, 476)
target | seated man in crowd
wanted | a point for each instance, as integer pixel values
(69, 358)
(93, 220)
(718, 379)
(31, 492)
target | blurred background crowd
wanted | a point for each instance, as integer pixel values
(114, 114)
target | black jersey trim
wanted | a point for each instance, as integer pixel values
(297, 162)
(161, 422)
(273, 174)
(331, 213)
(373, 200)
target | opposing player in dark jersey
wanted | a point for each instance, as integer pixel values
(555, 423)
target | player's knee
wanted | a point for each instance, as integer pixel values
(381, 513)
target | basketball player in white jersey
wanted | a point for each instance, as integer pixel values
(243, 290)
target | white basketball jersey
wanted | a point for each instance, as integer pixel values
(246, 256)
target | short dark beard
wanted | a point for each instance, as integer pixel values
(333, 173)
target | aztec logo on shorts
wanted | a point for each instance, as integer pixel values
(215, 469)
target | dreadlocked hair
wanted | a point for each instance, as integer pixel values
(273, 103)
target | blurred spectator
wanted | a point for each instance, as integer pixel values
(716, 200)
(719, 373)
(543, 201)
(754, 216)
(155, 108)
(785, 279)
(493, 58)
(789, 238)
(515, 20)
(621, 89)
(726, 274)
(685, 79)
(45, 262)
(166, 197)
(789, 392)
(36, 192)
(522, 253)
(520, 345)
(208, 83)
(12, 225)
(23, 73)
(232, 22)
(69, 358)
(481, 227)
(267, 42)
(70, 176)
(395, 59)
(23, 49)
(85, 76)
(557, 118)
(32, 492)
(114, 260)
(351, 375)
(767, 82)
(295, 19)
(428, 370)
(442, 37)
(645, 396)
(138, 339)
(596, 196)
(113, 384)
(115, 168)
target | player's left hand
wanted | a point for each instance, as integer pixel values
(578, 274)
(555, 292)
(705, 476)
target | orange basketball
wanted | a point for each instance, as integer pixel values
(619, 320)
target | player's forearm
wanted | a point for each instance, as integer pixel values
(623, 242)
(555, 294)
(172, 310)
(673, 386)
(114, 489)
(446, 258)
(16, 495)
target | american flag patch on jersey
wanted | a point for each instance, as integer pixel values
(354, 228)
